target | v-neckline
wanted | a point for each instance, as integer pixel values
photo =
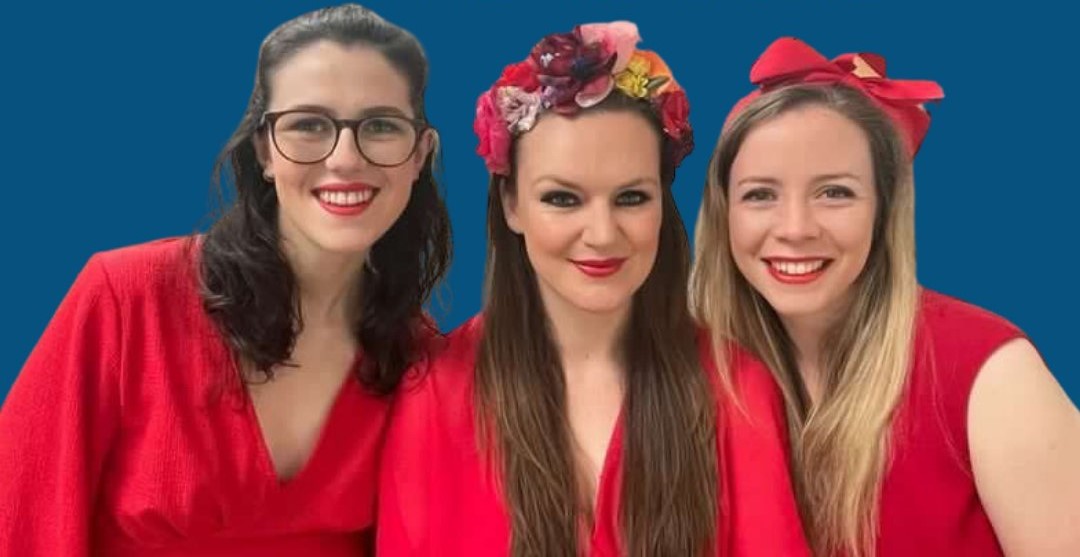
(265, 455)
(610, 471)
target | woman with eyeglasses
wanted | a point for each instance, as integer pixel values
(226, 394)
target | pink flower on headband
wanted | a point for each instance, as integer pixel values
(494, 134)
(619, 38)
(518, 107)
(566, 72)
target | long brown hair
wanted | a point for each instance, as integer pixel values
(246, 284)
(669, 502)
(840, 443)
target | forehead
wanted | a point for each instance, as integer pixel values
(812, 140)
(345, 79)
(598, 148)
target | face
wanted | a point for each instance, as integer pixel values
(801, 211)
(588, 205)
(344, 203)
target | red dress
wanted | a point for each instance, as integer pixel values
(120, 438)
(438, 494)
(929, 503)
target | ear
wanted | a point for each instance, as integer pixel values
(509, 206)
(427, 143)
(262, 154)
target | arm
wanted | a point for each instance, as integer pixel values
(1024, 436)
(58, 422)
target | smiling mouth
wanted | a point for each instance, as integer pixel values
(797, 271)
(345, 199)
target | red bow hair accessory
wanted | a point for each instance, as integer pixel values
(789, 61)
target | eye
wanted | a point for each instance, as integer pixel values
(313, 125)
(838, 192)
(632, 198)
(759, 195)
(560, 199)
(383, 126)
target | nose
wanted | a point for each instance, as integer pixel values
(601, 228)
(346, 157)
(797, 221)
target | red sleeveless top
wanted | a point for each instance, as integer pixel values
(929, 504)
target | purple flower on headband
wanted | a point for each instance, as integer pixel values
(567, 66)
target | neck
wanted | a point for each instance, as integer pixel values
(585, 337)
(328, 283)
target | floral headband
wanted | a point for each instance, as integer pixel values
(789, 61)
(567, 72)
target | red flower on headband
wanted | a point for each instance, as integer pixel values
(523, 74)
(789, 61)
(674, 111)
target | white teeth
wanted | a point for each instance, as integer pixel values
(797, 268)
(346, 198)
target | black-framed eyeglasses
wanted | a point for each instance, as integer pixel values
(308, 136)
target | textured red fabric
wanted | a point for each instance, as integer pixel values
(124, 435)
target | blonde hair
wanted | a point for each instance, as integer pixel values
(840, 444)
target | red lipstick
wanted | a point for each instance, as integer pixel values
(345, 199)
(599, 268)
(804, 278)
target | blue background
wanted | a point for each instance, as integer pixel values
(113, 116)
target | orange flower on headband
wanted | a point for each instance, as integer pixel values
(789, 61)
(566, 72)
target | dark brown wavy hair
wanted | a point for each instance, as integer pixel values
(669, 489)
(247, 286)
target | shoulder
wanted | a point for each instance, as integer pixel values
(158, 265)
(961, 322)
(955, 339)
(447, 363)
(745, 387)
(736, 367)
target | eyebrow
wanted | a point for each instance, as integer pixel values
(576, 187)
(836, 176)
(380, 110)
(768, 180)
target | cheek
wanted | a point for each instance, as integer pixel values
(854, 230)
(644, 230)
(290, 177)
(546, 239)
(746, 232)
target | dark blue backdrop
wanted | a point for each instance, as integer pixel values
(113, 116)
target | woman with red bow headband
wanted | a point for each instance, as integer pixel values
(920, 425)
(579, 414)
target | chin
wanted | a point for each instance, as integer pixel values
(345, 244)
(789, 308)
(600, 304)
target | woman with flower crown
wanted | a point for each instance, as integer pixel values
(580, 413)
(921, 425)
